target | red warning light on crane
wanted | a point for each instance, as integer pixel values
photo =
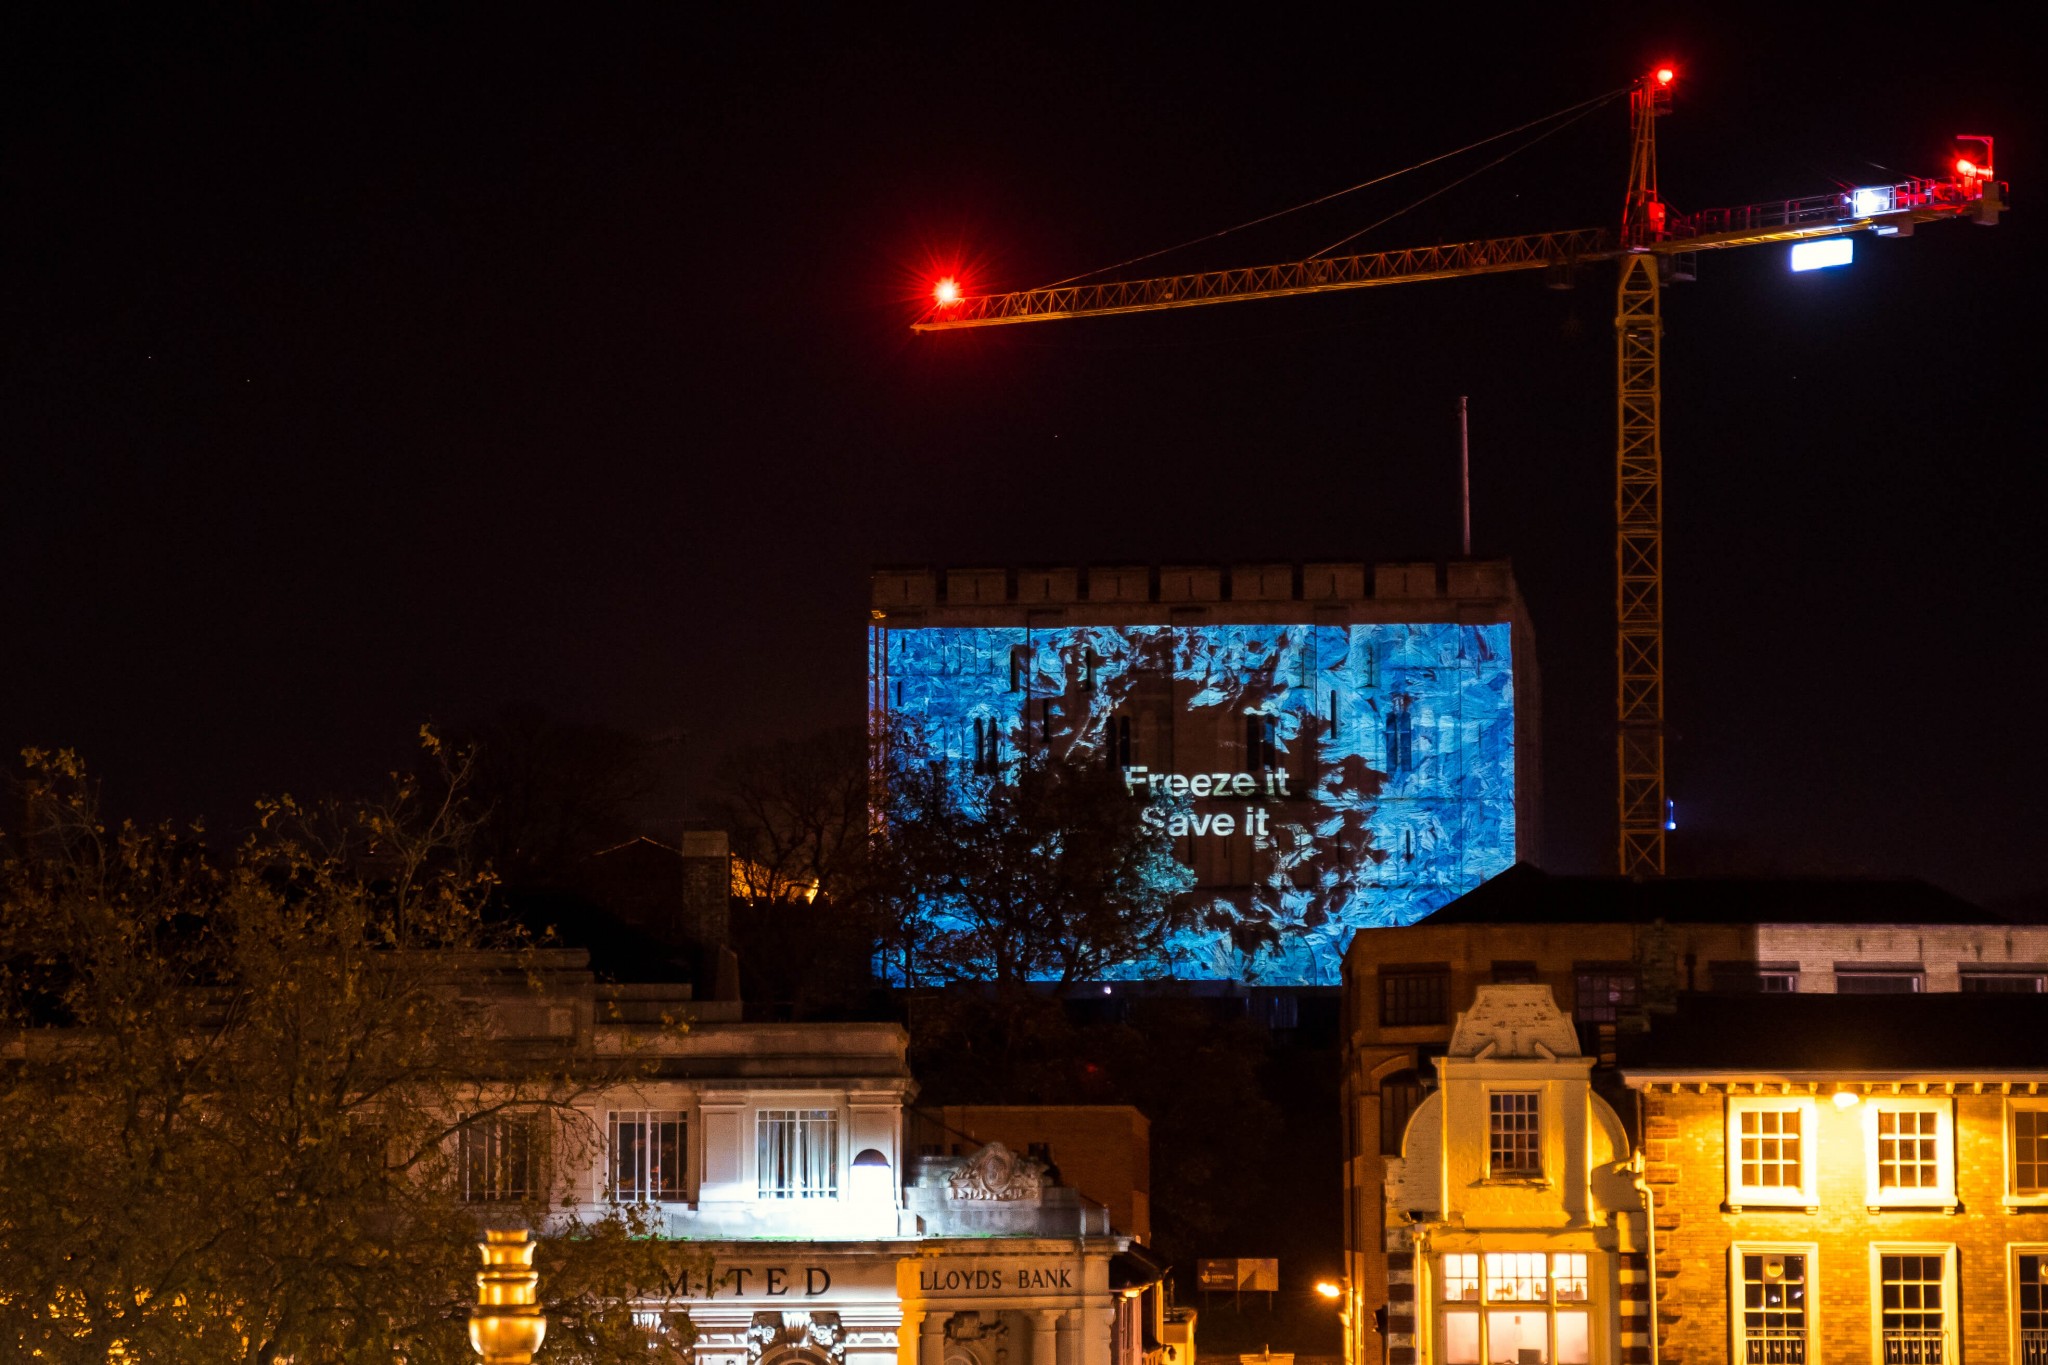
(1970, 157)
(1666, 75)
(946, 292)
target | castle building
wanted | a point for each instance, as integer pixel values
(1847, 1178)
(1330, 746)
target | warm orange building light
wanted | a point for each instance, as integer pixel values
(1846, 1099)
(1327, 1289)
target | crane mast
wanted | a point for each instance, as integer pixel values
(1653, 244)
(1639, 500)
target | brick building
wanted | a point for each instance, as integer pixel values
(1613, 952)
(1869, 1174)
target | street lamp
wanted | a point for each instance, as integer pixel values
(506, 1327)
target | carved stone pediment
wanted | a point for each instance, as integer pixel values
(812, 1334)
(1514, 1022)
(995, 1174)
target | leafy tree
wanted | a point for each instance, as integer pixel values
(235, 1088)
(1040, 873)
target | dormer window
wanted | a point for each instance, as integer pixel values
(1514, 1135)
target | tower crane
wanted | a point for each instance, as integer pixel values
(1653, 245)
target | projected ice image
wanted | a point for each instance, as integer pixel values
(1340, 776)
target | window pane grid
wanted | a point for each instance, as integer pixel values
(1414, 998)
(1773, 1309)
(1513, 1138)
(1906, 1156)
(797, 1154)
(648, 1150)
(2032, 1271)
(1517, 1277)
(1770, 1155)
(2030, 1151)
(1602, 997)
(1912, 1315)
(498, 1160)
(1461, 1277)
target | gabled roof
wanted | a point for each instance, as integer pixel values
(1526, 894)
(1924, 1035)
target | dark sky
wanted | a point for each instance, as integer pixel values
(363, 369)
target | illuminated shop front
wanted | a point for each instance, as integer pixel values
(774, 1156)
(1514, 1229)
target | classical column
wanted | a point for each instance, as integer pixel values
(931, 1338)
(1070, 1337)
(1044, 1345)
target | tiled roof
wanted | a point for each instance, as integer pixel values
(1909, 1034)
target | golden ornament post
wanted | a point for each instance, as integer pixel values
(506, 1327)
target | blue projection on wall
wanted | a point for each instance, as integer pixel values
(1342, 776)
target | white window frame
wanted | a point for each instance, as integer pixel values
(1950, 1313)
(1807, 1193)
(2014, 1196)
(640, 1116)
(2013, 1252)
(1542, 1172)
(1943, 1194)
(480, 1141)
(801, 1105)
(1594, 1306)
(1737, 1337)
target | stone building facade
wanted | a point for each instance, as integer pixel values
(778, 1154)
(1513, 1226)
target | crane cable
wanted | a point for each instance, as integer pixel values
(1582, 108)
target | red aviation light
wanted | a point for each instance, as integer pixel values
(1970, 157)
(946, 292)
(1665, 75)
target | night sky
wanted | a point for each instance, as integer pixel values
(365, 369)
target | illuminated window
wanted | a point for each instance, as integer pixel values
(1414, 996)
(1770, 1151)
(2029, 1151)
(2030, 1304)
(797, 1154)
(1905, 1150)
(1535, 1308)
(648, 1148)
(1603, 994)
(1771, 1322)
(499, 1157)
(1910, 1151)
(1771, 1156)
(1915, 1291)
(1513, 1134)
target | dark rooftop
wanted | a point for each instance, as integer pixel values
(1526, 894)
(1904, 1034)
